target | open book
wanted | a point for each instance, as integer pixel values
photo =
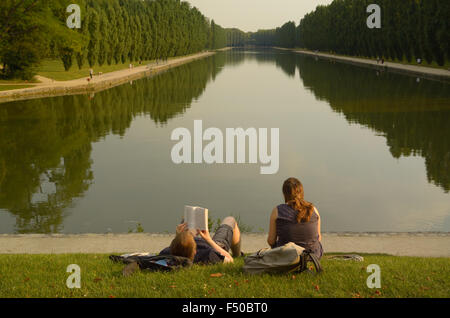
(196, 217)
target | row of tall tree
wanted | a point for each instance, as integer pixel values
(112, 31)
(26, 29)
(410, 29)
(284, 36)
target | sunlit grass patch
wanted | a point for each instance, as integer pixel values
(11, 87)
(54, 69)
(45, 276)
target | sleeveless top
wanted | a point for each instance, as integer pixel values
(304, 234)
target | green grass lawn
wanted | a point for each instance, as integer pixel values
(54, 69)
(45, 276)
(9, 87)
(18, 81)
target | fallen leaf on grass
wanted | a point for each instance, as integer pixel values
(317, 287)
(293, 277)
(424, 288)
(111, 296)
(216, 275)
(97, 279)
(377, 292)
(26, 279)
(211, 291)
(173, 286)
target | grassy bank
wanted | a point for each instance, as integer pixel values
(54, 69)
(45, 276)
(11, 87)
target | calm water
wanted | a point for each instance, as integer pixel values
(372, 150)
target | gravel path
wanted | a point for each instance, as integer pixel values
(49, 87)
(420, 71)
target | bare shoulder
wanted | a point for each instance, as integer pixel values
(317, 212)
(274, 214)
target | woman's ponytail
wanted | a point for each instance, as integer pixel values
(293, 195)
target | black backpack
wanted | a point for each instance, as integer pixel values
(164, 263)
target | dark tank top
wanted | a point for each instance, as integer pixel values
(304, 234)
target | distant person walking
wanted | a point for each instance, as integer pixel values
(91, 73)
(419, 61)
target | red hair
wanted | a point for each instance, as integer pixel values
(184, 245)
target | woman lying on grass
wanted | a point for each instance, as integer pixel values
(205, 249)
(295, 221)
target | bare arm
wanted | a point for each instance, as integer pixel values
(205, 235)
(272, 237)
(318, 225)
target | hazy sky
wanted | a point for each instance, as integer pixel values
(251, 15)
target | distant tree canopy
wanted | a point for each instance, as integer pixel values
(25, 27)
(409, 29)
(112, 31)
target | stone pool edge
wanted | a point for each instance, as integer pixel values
(423, 244)
(431, 73)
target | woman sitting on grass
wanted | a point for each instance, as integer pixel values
(296, 221)
(205, 249)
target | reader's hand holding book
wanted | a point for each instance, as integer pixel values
(181, 228)
(205, 235)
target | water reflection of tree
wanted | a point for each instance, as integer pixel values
(414, 116)
(45, 144)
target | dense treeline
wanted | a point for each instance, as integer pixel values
(24, 29)
(236, 37)
(112, 31)
(264, 38)
(409, 29)
(284, 36)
